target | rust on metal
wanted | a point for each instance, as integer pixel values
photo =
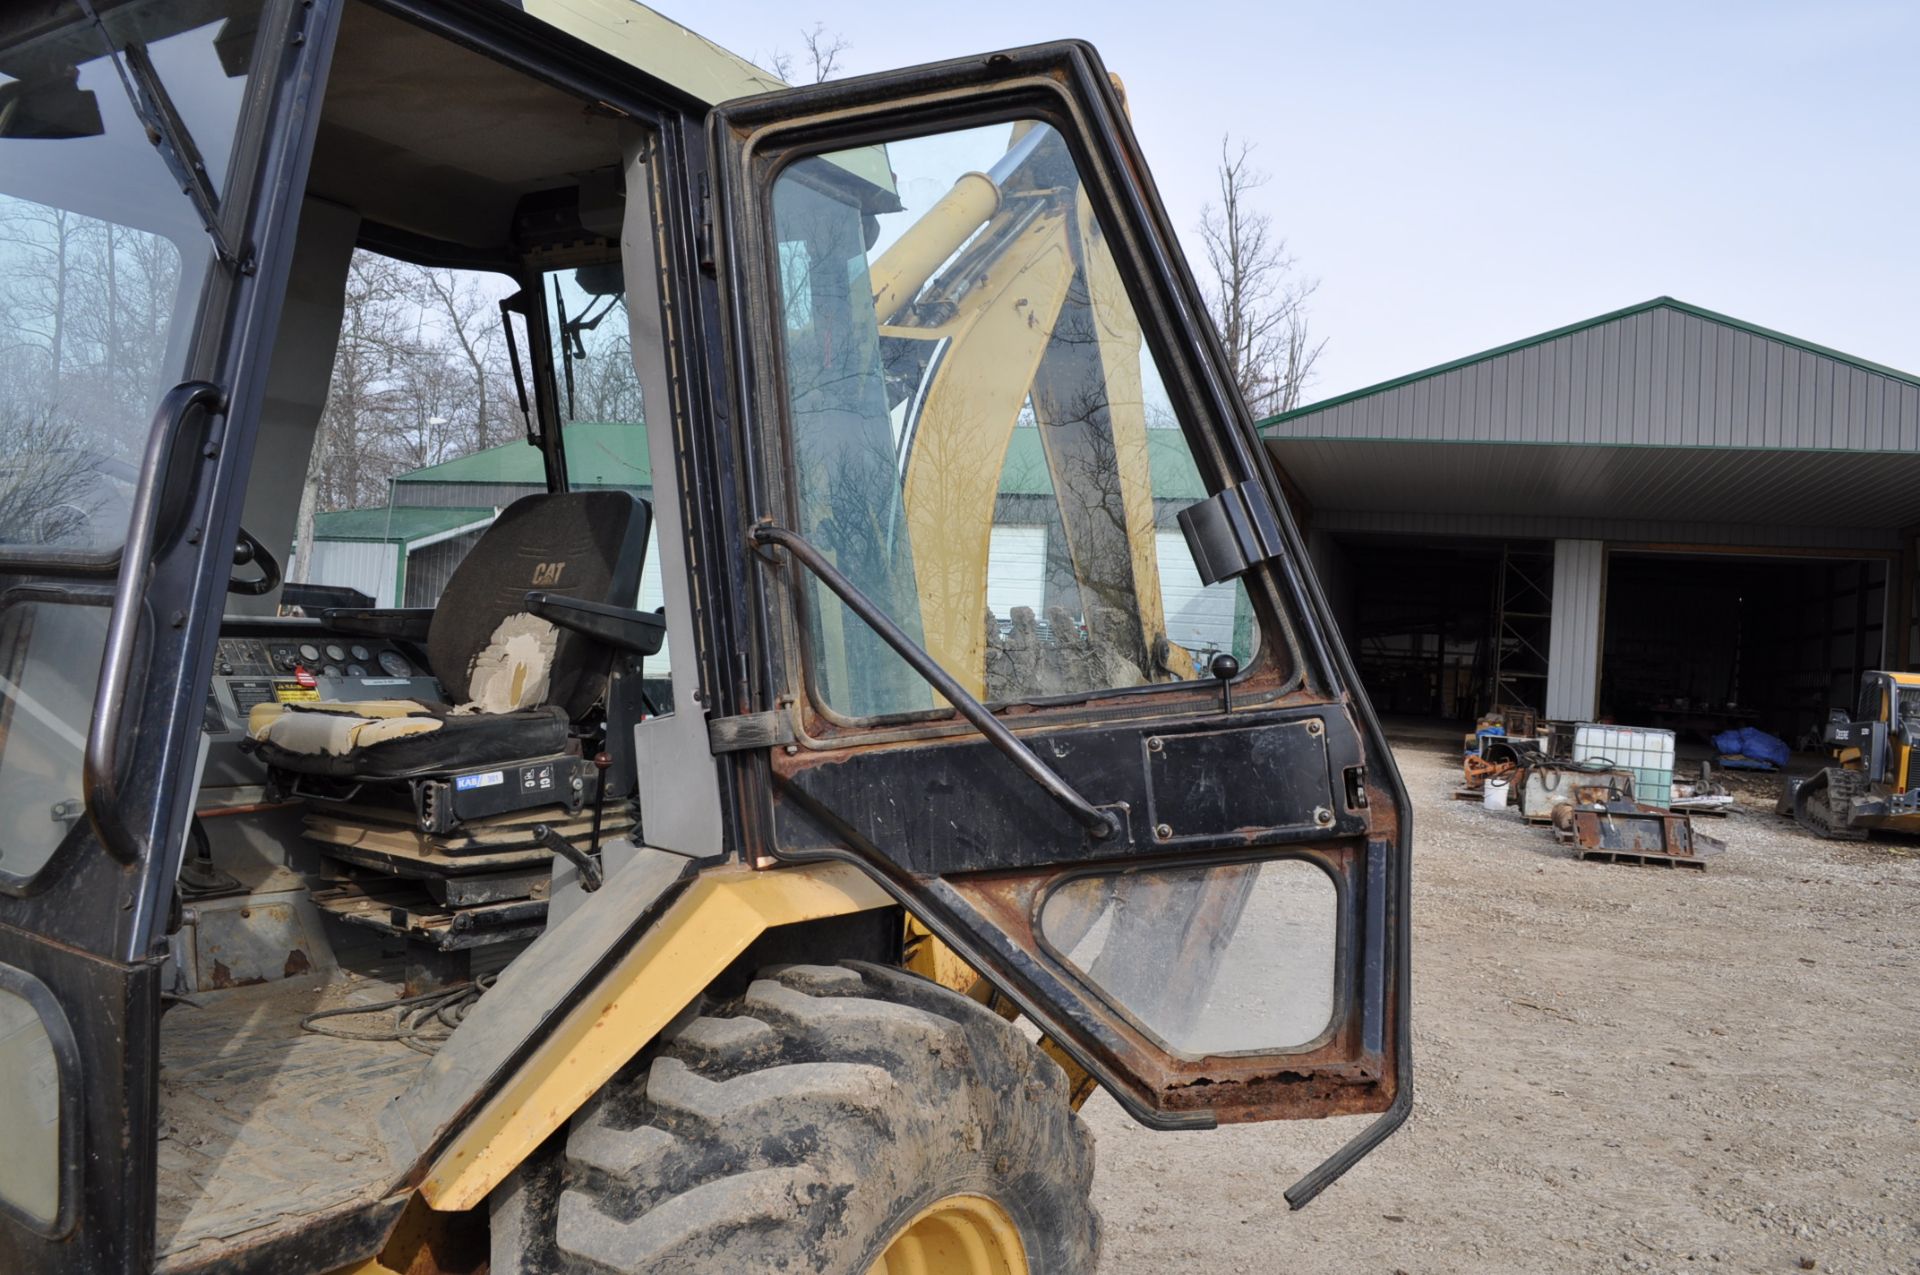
(1335, 1076)
(1627, 832)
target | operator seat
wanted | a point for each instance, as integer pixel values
(523, 641)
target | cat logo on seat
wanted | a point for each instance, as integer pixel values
(547, 573)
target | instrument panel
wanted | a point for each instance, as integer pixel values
(286, 667)
(322, 657)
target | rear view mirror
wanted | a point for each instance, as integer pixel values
(49, 108)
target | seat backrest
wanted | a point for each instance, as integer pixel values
(582, 544)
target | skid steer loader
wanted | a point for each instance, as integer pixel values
(1871, 782)
(632, 852)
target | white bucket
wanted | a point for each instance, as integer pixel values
(1494, 795)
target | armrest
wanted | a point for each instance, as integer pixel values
(408, 624)
(641, 632)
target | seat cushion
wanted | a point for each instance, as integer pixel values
(393, 739)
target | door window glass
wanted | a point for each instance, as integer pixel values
(980, 440)
(1211, 960)
(103, 260)
(30, 1110)
(49, 661)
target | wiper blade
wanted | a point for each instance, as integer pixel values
(154, 108)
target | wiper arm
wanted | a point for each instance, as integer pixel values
(1099, 823)
(154, 108)
(510, 306)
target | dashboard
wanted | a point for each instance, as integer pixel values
(267, 661)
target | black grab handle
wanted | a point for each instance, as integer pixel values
(110, 707)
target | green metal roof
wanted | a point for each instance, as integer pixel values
(1168, 457)
(599, 454)
(1657, 303)
(400, 524)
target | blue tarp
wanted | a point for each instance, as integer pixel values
(1751, 749)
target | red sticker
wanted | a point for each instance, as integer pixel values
(303, 677)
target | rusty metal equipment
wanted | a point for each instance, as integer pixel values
(1545, 787)
(1628, 832)
(1474, 773)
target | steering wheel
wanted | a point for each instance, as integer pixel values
(248, 549)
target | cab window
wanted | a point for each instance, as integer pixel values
(105, 265)
(103, 260)
(978, 437)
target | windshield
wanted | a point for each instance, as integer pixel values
(103, 259)
(980, 439)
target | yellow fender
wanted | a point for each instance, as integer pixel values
(712, 923)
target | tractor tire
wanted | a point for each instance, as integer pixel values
(834, 1120)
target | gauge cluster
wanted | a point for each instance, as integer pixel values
(264, 657)
(274, 665)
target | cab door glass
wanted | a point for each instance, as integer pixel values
(49, 659)
(979, 438)
(103, 259)
(1258, 974)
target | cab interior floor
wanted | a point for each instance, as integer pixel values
(265, 1127)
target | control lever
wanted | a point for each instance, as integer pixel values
(590, 875)
(1224, 669)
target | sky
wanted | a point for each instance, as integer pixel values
(1461, 175)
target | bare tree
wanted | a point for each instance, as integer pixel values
(473, 323)
(346, 467)
(51, 491)
(1257, 296)
(85, 310)
(822, 50)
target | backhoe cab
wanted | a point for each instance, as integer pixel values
(628, 847)
(1872, 781)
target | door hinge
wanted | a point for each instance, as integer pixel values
(1231, 532)
(745, 731)
(703, 233)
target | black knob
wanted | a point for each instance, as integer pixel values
(1224, 667)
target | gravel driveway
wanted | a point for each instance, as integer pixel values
(1617, 1069)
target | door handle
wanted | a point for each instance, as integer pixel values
(110, 708)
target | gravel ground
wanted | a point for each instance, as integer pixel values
(1617, 1069)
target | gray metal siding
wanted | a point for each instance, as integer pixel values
(423, 495)
(1651, 531)
(1698, 484)
(430, 568)
(1660, 377)
(365, 565)
(1573, 645)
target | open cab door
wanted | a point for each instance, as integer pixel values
(1039, 647)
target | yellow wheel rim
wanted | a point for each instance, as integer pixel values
(960, 1235)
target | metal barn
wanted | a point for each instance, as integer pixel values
(1661, 515)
